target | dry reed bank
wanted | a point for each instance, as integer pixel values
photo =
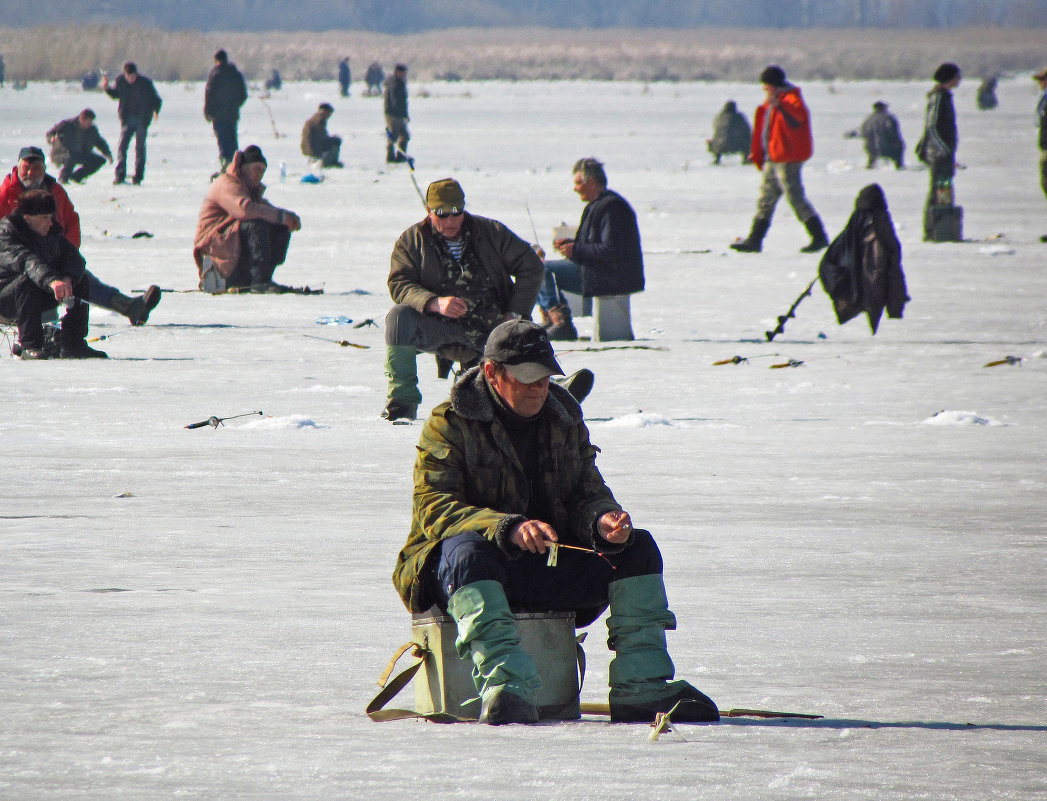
(56, 53)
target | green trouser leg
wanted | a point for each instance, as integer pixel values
(487, 635)
(641, 672)
(401, 368)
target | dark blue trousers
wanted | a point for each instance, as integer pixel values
(225, 133)
(577, 583)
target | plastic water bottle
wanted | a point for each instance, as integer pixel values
(283, 172)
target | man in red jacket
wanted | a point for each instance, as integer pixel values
(28, 174)
(781, 144)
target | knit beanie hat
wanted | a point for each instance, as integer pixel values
(946, 72)
(253, 155)
(773, 76)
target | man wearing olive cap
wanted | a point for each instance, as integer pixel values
(504, 470)
(454, 276)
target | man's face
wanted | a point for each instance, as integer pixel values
(254, 173)
(41, 223)
(131, 76)
(525, 400)
(31, 172)
(449, 227)
(86, 122)
(588, 190)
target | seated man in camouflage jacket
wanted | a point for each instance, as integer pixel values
(505, 471)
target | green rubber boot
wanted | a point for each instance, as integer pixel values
(505, 676)
(641, 672)
(401, 369)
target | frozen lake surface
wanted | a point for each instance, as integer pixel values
(203, 614)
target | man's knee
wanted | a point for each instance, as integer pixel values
(401, 325)
(641, 558)
(466, 559)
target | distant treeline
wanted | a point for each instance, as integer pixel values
(415, 16)
(66, 53)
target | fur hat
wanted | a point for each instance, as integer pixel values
(36, 201)
(773, 76)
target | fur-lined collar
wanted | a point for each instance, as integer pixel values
(470, 399)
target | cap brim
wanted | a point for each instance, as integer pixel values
(529, 372)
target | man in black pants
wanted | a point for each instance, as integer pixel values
(39, 270)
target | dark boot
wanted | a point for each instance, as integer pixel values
(443, 366)
(562, 327)
(579, 384)
(819, 241)
(754, 243)
(397, 409)
(136, 309)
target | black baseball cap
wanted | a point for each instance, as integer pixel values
(524, 349)
(30, 153)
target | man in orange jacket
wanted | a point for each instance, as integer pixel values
(781, 144)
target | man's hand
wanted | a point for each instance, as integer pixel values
(615, 526)
(292, 221)
(448, 307)
(63, 288)
(565, 246)
(532, 535)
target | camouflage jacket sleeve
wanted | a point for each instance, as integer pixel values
(445, 486)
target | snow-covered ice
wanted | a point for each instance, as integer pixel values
(203, 613)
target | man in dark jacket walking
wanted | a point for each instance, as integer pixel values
(396, 117)
(937, 146)
(603, 258)
(139, 104)
(73, 142)
(344, 77)
(505, 472)
(224, 94)
(39, 270)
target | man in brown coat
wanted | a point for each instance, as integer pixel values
(454, 276)
(242, 234)
(317, 144)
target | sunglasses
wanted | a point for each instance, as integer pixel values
(454, 212)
